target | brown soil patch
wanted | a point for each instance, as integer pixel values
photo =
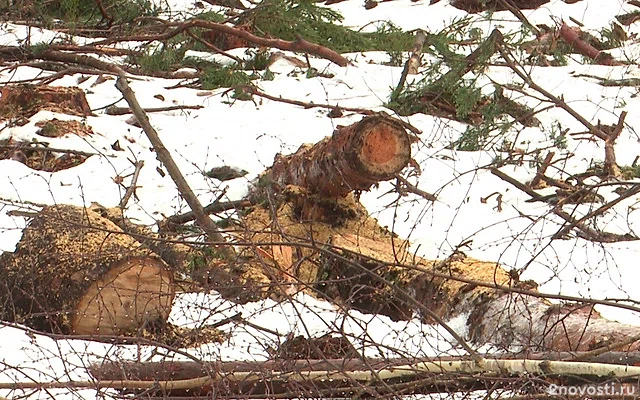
(24, 101)
(55, 128)
(39, 157)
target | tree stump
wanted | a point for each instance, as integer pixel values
(75, 272)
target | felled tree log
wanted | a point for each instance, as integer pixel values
(354, 158)
(204, 267)
(360, 265)
(501, 310)
(74, 272)
(341, 378)
(178, 370)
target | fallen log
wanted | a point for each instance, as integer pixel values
(346, 377)
(354, 158)
(179, 370)
(74, 272)
(316, 236)
(356, 263)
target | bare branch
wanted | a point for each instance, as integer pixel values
(164, 156)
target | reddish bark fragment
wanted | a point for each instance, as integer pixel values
(573, 39)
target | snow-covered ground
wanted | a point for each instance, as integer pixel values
(248, 135)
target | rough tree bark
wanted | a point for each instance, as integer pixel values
(354, 158)
(75, 272)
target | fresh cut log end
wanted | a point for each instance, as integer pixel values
(383, 148)
(75, 272)
(136, 292)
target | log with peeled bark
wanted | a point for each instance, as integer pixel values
(360, 265)
(499, 309)
(74, 272)
(355, 157)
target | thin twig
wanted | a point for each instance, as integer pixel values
(132, 188)
(212, 47)
(508, 4)
(214, 207)
(559, 102)
(587, 233)
(254, 91)
(600, 210)
(409, 187)
(605, 349)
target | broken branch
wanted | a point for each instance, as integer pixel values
(610, 166)
(586, 232)
(572, 37)
(298, 45)
(113, 110)
(164, 156)
(557, 101)
(132, 188)
(212, 208)
(412, 64)
(541, 170)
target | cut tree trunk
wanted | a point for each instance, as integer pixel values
(339, 251)
(360, 265)
(74, 272)
(354, 158)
